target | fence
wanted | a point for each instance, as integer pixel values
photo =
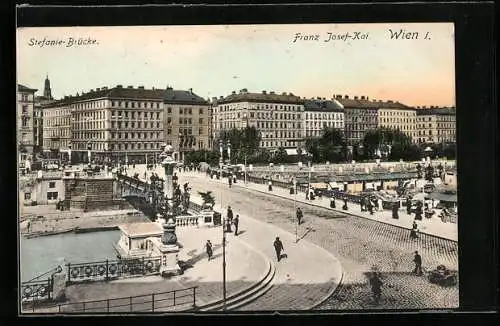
(111, 269)
(40, 287)
(175, 300)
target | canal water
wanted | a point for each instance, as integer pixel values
(39, 255)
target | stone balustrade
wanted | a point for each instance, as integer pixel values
(188, 220)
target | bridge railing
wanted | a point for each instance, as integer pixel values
(38, 290)
(111, 269)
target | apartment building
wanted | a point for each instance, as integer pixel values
(186, 121)
(360, 116)
(278, 117)
(435, 124)
(25, 121)
(321, 113)
(115, 124)
(396, 115)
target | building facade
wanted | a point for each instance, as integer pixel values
(25, 121)
(186, 122)
(321, 113)
(360, 116)
(398, 116)
(436, 124)
(278, 117)
(56, 121)
(112, 124)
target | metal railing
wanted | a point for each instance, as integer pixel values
(111, 269)
(175, 300)
(38, 290)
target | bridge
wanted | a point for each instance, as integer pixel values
(144, 196)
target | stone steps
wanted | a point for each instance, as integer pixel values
(245, 296)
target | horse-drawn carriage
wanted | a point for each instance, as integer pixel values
(443, 276)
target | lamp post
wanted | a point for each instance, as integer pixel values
(89, 152)
(69, 153)
(295, 209)
(224, 264)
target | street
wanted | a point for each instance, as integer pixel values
(358, 243)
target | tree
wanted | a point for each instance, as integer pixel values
(281, 156)
(207, 197)
(202, 155)
(244, 142)
(378, 141)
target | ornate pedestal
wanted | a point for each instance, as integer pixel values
(169, 260)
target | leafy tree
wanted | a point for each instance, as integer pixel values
(244, 142)
(379, 140)
(207, 197)
(202, 155)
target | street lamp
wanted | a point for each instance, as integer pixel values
(89, 152)
(224, 264)
(295, 209)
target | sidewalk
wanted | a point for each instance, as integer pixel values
(245, 267)
(303, 280)
(433, 226)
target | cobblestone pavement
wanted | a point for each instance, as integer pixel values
(358, 243)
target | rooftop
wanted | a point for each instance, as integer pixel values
(264, 97)
(141, 229)
(22, 88)
(322, 106)
(168, 95)
(363, 102)
(436, 111)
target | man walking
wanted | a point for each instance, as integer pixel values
(236, 221)
(229, 218)
(230, 181)
(278, 247)
(418, 264)
(208, 247)
(299, 216)
(376, 285)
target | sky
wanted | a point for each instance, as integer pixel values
(215, 60)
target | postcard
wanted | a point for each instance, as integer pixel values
(237, 168)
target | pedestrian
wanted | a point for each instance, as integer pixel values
(270, 185)
(28, 226)
(414, 230)
(278, 247)
(229, 180)
(299, 216)
(229, 219)
(418, 212)
(345, 204)
(418, 264)
(370, 206)
(332, 202)
(408, 205)
(395, 208)
(209, 249)
(376, 284)
(236, 222)
(362, 204)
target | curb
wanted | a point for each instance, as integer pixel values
(346, 212)
(334, 288)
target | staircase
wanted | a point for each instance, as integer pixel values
(245, 296)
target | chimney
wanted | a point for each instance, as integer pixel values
(367, 98)
(130, 86)
(362, 97)
(97, 89)
(271, 92)
(338, 97)
(119, 86)
(291, 94)
(105, 88)
(346, 96)
(355, 97)
(234, 92)
(264, 92)
(222, 97)
(91, 90)
(390, 101)
(284, 93)
(140, 87)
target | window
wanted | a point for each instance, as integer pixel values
(27, 196)
(52, 195)
(201, 111)
(200, 121)
(52, 184)
(169, 110)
